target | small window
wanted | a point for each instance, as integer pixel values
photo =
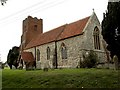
(63, 51)
(48, 53)
(35, 27)
(38, 55)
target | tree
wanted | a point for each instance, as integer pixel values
(13, 57)
(111, 28)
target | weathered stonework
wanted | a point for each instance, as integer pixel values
(44, 63)
(76, 46)
(89, 41)
(73, 46)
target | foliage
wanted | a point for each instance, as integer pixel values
(64, 78)
(111, 28)
(3, 65)
(90, 60)
(13, 56)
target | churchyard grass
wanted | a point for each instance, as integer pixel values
(61, 78)
(0, 79)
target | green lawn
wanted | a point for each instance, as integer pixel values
(0, 79)
(61, 78)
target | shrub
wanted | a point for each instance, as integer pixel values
(45, 69)
(90, 60)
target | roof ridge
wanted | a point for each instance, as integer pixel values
(65, 25)
(79, 19)
(53, 29)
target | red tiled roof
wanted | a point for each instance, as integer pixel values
(62, 32)
(27, 56)
(46, 37)
(73, 29)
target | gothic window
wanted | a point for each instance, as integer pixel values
(63, 51)
(96, 38)
(48, 53)
(35, 27)
(38, 55)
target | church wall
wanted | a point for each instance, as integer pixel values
(89, 40)
(78, 45)
(44, 63)
(73, 46)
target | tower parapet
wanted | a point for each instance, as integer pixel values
(30, 29)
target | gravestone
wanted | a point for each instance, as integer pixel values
(116, 65)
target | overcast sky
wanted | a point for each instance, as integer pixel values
(53, 12)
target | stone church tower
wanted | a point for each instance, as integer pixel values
(31, 28)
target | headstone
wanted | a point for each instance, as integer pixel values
(115, 59)
(46, 66)
(13, 67)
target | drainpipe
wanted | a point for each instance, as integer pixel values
(35, 53)
(35, 58)
(55, 55)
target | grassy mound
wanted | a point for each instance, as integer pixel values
(61, 78)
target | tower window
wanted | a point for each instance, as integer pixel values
(35, 27)
(96, 38)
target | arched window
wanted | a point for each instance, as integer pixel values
(38, 55)
(96, 38)
(48, 53)
(63, 51)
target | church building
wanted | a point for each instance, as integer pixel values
(61, 47)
